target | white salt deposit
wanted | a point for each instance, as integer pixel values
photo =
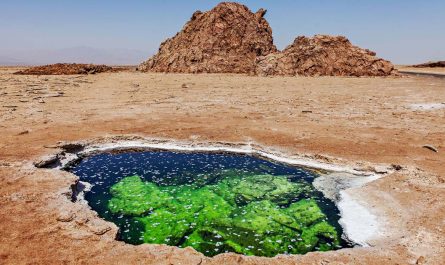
(427, 106)
(359, 225)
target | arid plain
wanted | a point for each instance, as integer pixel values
(364, 123)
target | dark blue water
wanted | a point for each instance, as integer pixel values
(167, 168)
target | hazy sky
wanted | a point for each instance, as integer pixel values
(401, 31)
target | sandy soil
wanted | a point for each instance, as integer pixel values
(357, 121)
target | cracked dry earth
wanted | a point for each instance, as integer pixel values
(358, 121)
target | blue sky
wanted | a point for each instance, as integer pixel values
(402, 31)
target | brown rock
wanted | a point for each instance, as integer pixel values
(430, 147)
(23, 132)
(380, 169)
(46, 161)
(66, 69)
(226, 39)
(431, 64)
(323, 55)
(65, 216)
(420, 260)
(4, 164)
(396, 167)
(98, 227)
(232, 39)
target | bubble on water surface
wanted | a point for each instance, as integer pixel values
(215, 203)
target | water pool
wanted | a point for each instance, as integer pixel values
(213, 202)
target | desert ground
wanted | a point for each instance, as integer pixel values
(359, 122)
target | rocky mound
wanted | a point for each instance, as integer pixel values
(431, 64)
(226, 39)
(232, 39)
(66, 69)
(323, 55)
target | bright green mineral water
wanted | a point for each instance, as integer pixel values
(214, 203)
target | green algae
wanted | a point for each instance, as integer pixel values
(132, 196)
(261, 215)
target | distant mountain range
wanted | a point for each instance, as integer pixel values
(8, 61)
(81, 54)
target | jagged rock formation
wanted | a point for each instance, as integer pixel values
(226, 39)
(66, 69)
(232, 39)
(431, 64)
(323, 55)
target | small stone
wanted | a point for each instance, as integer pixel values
(396, 167)
(380, 170)
(23, 132)
(101, 230)
(82, 220)
(66, 216)
(51, 146)
(46, 161)
(98, 227)
(420, 260)
(71, 147)
(430, 147)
